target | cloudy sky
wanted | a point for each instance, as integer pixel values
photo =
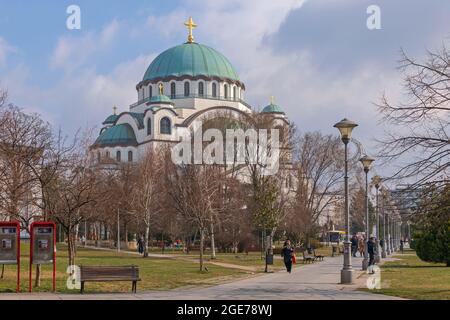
(317, 57)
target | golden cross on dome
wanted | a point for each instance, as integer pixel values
(161, 89)
(115, 110)
(272, 99)
(190, 25)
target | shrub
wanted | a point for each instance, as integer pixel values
(434, 245)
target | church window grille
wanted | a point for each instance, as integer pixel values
(165, 126)
(187, 89)
(173, 90)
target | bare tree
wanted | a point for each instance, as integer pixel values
(420, 142)
(148, 190)
(23, 141)
(318, 176)
(74, 191)
(193, 190)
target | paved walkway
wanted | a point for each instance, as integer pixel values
(309, 282)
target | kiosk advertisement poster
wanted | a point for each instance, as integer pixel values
(43, 247)
(10, 246)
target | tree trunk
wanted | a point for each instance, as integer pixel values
(213, 244)
(146, 238)
(202, 240)
(126, 235)
(37, 281)
(71, 249)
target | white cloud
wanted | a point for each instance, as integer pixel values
(81, 101)
(5, 50)
(72, 52)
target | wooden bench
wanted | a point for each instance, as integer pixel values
(108, 274)
(318, 256)
(307, 258)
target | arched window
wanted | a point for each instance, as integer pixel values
(165, 126)
(107, 154)
(149, 126)
(130, 156)
(99, 156)
(187, 89)
(225, 91)
(201, 89)
(234, 93)
(118, 156)
(143, 93)
(214, 90)
(173, 90)
(150, 91)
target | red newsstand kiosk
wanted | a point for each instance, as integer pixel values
(43, 247)
(10, 246)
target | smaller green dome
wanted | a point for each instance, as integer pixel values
(111, 119)
(119, 135)
(161, 98)
(273, 108)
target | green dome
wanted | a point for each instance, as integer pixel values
(190, 59)
(111, 119)
(121, 134)
(163, 99)
(273, 108)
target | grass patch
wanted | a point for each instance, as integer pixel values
(156, 274)
(413, 278)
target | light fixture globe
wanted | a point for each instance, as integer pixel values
(366, 162)
(345, 127)
(376, 180)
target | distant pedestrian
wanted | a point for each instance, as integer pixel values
(361, 247)
(354, 242)
(401, 245)
(140, 244)
(371, 250)
(287, 253)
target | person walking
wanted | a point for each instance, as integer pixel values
(401, 245)
(354, 242)
(287, 253)
(140, 244)
(361, 247)
(371, 250)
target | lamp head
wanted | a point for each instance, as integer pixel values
(345, 127)
(376, 180)
(366, 162)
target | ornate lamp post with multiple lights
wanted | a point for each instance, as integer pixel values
(346, 127)
(366, 162)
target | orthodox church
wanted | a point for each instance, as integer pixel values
(182, 84)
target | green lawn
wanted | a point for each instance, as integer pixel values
(413, 278)
(156, 274)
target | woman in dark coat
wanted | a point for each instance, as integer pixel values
(287, 252)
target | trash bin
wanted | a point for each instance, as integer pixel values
(269, 259)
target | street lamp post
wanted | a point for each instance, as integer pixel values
(383, 247)
(391, 232)
(366, 162)
(346, 127)
(388, 239)
(377, 181)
